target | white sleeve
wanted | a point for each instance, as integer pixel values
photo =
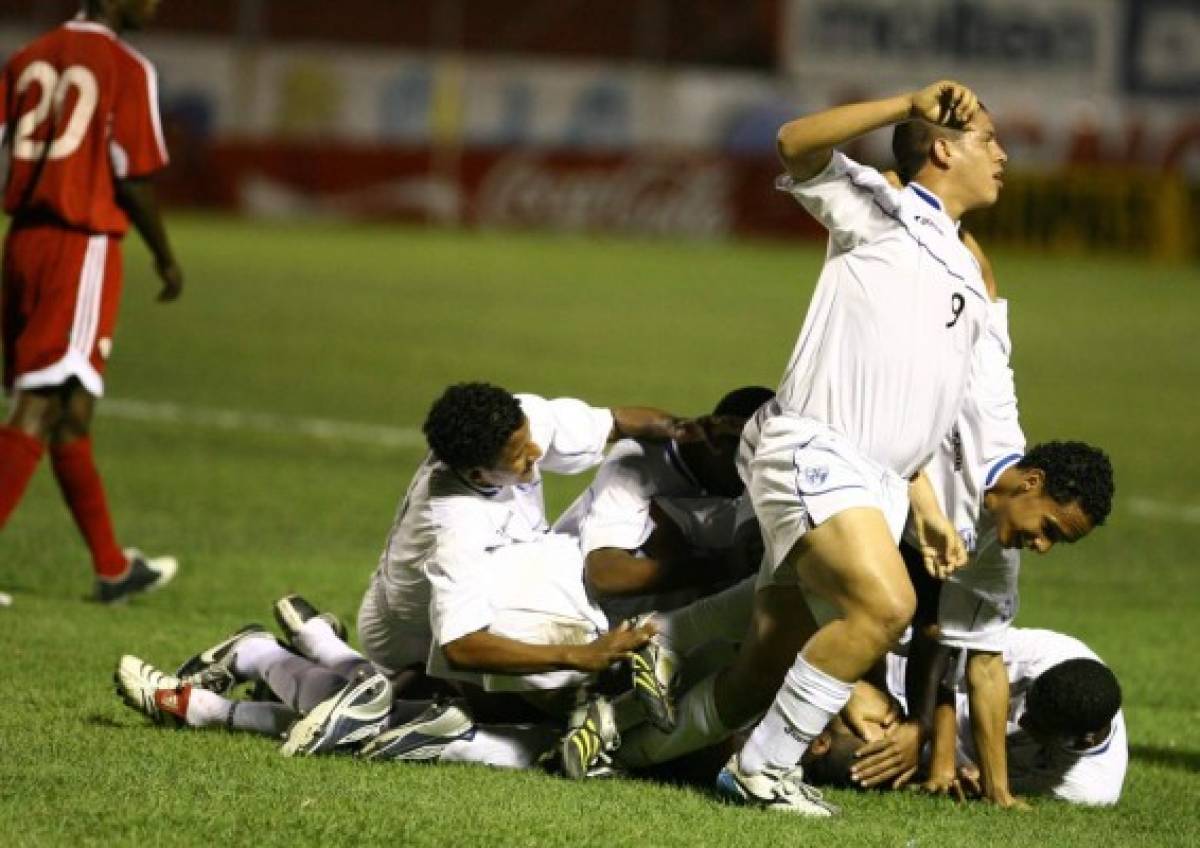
(992, 397)
(618, 512)
(458, 572)
(854, 202)
(571, 434)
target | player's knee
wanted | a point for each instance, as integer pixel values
(70, 427)
(886, 616)
(34, 416)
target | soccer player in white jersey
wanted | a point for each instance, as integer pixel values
(662, 515)
(1064, 736)
(874, 383)
(437, 599)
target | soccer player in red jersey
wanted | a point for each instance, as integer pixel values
(81, 134)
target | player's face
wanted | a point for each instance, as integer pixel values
(1029, 518)
(980, 162)
(516, 461)
(719, 472)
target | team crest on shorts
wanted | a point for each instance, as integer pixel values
(815, 475)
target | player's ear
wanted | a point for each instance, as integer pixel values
(1032, 480)
(941, 152)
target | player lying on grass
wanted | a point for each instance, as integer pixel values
(476, 497)
(1064, 732)
(81, 138)
(310, 667)
(440, 566)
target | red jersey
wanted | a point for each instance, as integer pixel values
(80, 111)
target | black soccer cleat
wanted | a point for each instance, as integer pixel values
(144, 575)
(212, 669)
(293, 611)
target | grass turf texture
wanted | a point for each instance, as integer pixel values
(367, 325)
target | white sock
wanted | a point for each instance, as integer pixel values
(698, 726)
(317, 641)
(807, 702)
(206, 709)
(253, 657)
(515, 746)
(723, 616)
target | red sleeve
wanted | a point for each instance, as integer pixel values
(3, 102)
(137, 146)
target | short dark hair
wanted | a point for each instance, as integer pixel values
(911, 143)
(469, 425)
(1074, 697)
(744, 402)
(1075, 471)
(833, 767)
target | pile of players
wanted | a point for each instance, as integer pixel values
(821, 579)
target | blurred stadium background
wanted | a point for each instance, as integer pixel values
(373, 198)
(658, 116)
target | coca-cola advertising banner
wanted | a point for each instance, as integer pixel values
(680, 195)
(698, 196)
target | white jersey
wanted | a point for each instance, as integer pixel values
(885, 351)
(986, 439)
(1092, 777)
(614, 511)
(432, 578)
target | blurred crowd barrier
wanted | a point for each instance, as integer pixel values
(659, 117)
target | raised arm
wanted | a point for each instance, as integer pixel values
(806, 143)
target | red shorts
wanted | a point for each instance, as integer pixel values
(59, 302)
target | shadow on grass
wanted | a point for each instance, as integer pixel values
(1171, 757)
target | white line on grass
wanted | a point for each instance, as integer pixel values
(1147, 508)
(326, 429)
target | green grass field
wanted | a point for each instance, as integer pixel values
(365, 326)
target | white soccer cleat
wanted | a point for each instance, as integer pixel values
(344, 721)
(772, 789)
(160, 697)
(424, 738)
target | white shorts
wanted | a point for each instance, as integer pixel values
(974, 621)
(389, 642)
(801, 474)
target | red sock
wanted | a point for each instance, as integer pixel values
(19, 455)
(84, 493)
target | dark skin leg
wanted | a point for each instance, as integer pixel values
(57, 415)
